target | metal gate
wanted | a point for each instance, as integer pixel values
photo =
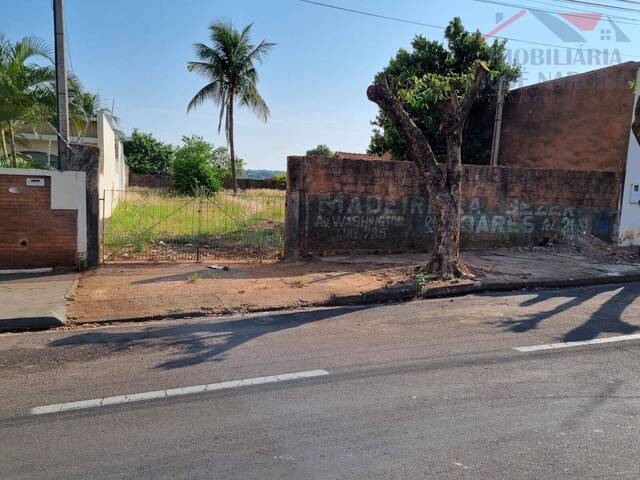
(153, 225)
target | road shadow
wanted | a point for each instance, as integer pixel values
(198, 342)
(606, 319)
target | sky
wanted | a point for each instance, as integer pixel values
(135, 52)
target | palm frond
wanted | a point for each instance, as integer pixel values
(251, 99)
(210, 91)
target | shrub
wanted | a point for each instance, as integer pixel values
(24, 161)
(281, 179)
(194, 171)
(147, 155)
(321, 150)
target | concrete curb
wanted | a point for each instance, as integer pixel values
(54, 318)
(398, 293)
(42, 322)
(412, 292)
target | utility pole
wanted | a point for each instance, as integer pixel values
(62, 101)
(497, 126)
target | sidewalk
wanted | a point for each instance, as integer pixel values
(32, 301)
(139, 292)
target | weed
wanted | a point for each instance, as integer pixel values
(233, 309)
(175, 310)
(297, 283)
(193, 277)
(422, 278)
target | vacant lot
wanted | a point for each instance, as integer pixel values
(160, 225)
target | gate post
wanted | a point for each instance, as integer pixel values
(85, 158)
(199, 227)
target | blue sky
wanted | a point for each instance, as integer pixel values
(135, 51)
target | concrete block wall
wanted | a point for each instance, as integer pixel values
(42, 226)
(346, 206)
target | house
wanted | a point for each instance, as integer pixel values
(101, 132)
(361, 156)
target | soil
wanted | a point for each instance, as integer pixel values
(143, 290)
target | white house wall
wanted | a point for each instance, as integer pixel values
(112, 180)
(630, 211)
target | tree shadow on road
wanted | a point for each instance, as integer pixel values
(199, 342)
(607, 318)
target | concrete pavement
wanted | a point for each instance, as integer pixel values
(35, 300)
(428, 389)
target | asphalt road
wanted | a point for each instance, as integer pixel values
(428, 389)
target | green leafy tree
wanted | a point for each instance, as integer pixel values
(27, 94)
(194, 168)
(229, 65)
(463, 49)
(321, 150)
(147, 155)
(447, 92)
(281, 179)
(222, 160)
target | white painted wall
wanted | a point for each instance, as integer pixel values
(113, 177)
(630, 212)
(67, 193)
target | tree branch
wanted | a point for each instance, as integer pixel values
(467, 102)
(419, 149)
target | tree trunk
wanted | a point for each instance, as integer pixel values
(445, 192)
(446, 256)
(231, 146)
(445, 260)
(12, 142)
(636, 123)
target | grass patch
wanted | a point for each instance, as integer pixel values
(152, 221)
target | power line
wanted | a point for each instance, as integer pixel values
(601, 5)
(440, 27)
(581, 10)
(628, 1)
(584, 14)
(369, 14)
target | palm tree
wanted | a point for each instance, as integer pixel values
(229, 66)
(27, 93)
(85, 107)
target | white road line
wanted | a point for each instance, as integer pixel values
(595, 341)
(174, 392)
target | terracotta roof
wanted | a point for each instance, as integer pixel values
(361, 156)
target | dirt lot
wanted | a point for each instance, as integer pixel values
(139, 290)
(129, 291)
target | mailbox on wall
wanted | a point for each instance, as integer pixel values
(35, 182)
(635, 194)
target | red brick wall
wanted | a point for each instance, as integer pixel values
(51, 235)
(580, 122)
(345, 206)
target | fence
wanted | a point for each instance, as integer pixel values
(158, 225)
